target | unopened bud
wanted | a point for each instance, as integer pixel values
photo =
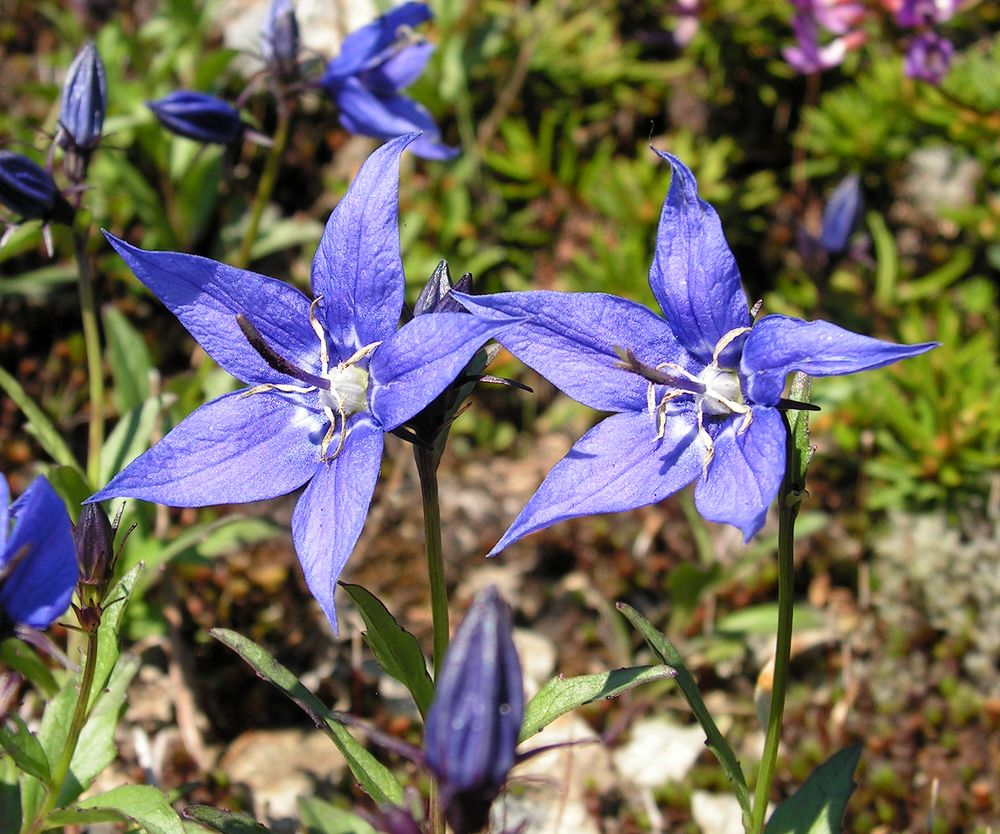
(475, 718)
(81, 115)
(279, 39)
(198, 116)
(95, 541)
(25, 188)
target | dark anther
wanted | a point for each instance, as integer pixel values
(629, 362)
(795, 405)
(279, 363)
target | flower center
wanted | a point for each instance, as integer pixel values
(348, 391)
(722, 391)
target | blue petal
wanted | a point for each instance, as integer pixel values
(234, 449)
(366, 114)
(778, 345)
(357, 269)
(206, 296)
(618, 465)
(329, 516)
(840, 213)
(364, 44)
(4, 515)
(420, 360)
(694, 276)
(428, 144)
(570, 339)
(745, 473)
(39, 587)
(399, 70)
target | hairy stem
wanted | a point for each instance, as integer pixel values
(80, 713)
(788, 509)
(268, 178)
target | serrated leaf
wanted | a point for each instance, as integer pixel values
(128, 358)
(321, 817)
(38, 423)
(715, 741)
(375, 779)
(561, 695)
(23, 747)
(397, 651)
(818, 806)
(144, 805)
(228, 822)
(18, 656)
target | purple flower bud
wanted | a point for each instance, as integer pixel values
(436, 297)
(840, 214)
(84, 101)
(279, 39)
(198, 116)
(25, 188)
(474, 721)
(929, 57)
(95, 542)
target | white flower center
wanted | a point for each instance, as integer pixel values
(348, 392)
(722, 391)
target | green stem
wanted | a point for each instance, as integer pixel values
(92, 343)
(268, 177)
(427, 471)
(80, 714)
(788, 509)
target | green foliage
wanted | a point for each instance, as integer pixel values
(818, 806)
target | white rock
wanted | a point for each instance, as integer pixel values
(659, 751)
(716, 813)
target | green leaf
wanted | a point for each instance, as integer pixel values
(763, 619)
(396, 650)
(108, 644)
(129, 438)
(561, 695)
(22, 746)
(38, 423)
(800, 389)
(228, 822)
(128, 358)
(886, 259)
(142, 804)
(69, 483)
(18, 656)
(375, 779)
(818, 806)
(10, 799)
(321, 817)
(715, 741)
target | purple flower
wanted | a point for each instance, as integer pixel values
(375, 63)
(328, 376)
(840, 214)
(198, 116)
(809, 56)
(694, 394)
(38, 568)
(475, 718)
(928, 57)
(925, 12)
(84, 101)
(25, 188)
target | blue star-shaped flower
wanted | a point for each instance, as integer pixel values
(328, 376)
(38, 568)
(375, 63)
(694, 392)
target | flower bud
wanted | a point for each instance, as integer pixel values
(475, 718)
(25, 188)
(840, 214)
(435, 296)
(279, 39)
(81, 115)
(198, 116)
(95, 542)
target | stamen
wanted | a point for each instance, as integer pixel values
(324, 355)
(274, 359)
(725, 341)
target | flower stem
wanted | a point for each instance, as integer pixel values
(268, 178)
(92, 343)
(80, 713)
(427, 471)
(788, 509)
